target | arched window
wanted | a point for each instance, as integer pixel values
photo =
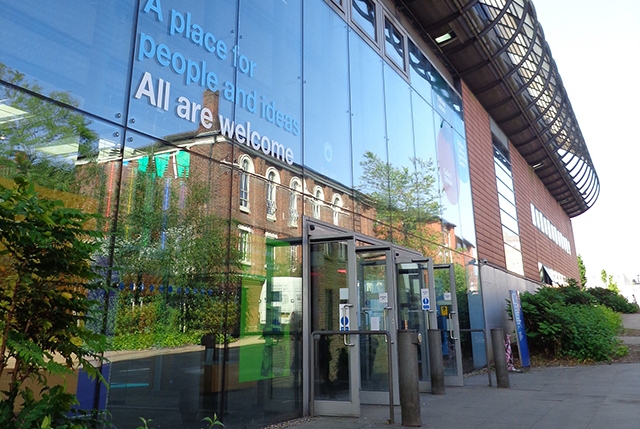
(296, 187)
(318, 199)
(246, 167)
(337, 208)
(273, 179)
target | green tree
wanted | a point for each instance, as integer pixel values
(45, 274)
(608, 282)
(583, 272)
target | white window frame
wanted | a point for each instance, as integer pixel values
(246, 169)
(273, 180)
(244, 244)
(317, 202)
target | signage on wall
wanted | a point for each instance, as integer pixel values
(183, 27)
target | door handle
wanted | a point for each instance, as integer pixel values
(451, 327)
(386, 321)
(345, 337)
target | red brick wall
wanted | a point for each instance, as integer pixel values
(483, 181)
(536, 246)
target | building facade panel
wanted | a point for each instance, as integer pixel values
(209, 136)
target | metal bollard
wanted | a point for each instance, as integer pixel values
(436, 363)
(500, 358)
(408, 378)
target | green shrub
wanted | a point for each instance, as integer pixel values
(613, 300)
(565, 321)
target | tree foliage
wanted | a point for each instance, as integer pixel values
(583, 272)
(45, 272)
(35, 125)
(566, 321)
(405, 199)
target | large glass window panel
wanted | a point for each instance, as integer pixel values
(173, 311)
(77, 52)
(394, 43)
(428, 195)
(467, 232)
(66, 155)
(269, 68)
(327, 139)
(420, 72)
(369, 144)
(184, 60)
(410, 180)
(450, 181)
(267, 359)
(363, 13)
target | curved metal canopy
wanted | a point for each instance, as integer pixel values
(498, 49)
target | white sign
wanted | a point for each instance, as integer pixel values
(447, 296)
(424, 298)
(375, 323)
(383, 297)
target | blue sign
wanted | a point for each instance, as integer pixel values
(425, 304)
(521, 334)
(344, 323)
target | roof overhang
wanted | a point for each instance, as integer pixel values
(497, 48)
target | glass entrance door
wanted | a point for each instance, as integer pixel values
(446, 307)
(427, 300)
(375, 313)
(332, 280)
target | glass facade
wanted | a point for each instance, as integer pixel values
(203, 132)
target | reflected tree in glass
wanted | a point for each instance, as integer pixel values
(42, 141)
(407, 197)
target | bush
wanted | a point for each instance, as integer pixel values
(613, 300)
(565, 321)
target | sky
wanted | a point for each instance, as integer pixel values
(596, 47)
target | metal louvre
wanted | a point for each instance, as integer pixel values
(498, 48)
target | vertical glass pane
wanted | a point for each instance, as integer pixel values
(268, 354)
(172, 315)
(184, 67)
(329, 289)
(373, 306)
(394, 43)
(420, 72)
(429, 192)
(327, 140)
(363, 13)
(268, 64)
(368, 134)
(77, 52)
(450, 181)
(444, 309)
(411, 280)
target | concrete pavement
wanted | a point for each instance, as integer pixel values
(581, 397)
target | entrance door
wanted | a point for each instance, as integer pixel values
(426, 300)
(447, 322)
(334, 298)
(375, 313)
